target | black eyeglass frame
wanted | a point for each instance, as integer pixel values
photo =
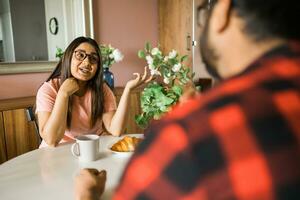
(93, 58)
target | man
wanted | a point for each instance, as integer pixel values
(241, 140)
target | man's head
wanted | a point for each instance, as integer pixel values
(238, 31)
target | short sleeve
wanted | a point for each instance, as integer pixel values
(110, 103)
(46, 96)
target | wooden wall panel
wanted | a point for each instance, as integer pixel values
(19, 133)
(17, 103)
(176, 26)
(3, 156)
(134, 109)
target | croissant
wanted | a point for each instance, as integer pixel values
(127, 144)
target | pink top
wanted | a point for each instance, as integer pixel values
(81, 109)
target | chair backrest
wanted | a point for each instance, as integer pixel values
(31, 117)
(204, 84)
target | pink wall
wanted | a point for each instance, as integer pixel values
(125, 24)
(20, 85)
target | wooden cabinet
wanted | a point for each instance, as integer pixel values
(17, 134)
(20, 134)
(176, 26)
(3, 154)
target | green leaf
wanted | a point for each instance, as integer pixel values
(183, 58)
(141, 54)
(59, 53)
(141, 121)
(177, 90)
(173, 61)
(148, 46)
(164, 100)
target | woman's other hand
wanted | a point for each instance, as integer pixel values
(139, 80)
(89, 184)
(70, 86)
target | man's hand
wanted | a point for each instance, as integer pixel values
(89, 184)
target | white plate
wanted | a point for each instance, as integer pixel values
(118, 153)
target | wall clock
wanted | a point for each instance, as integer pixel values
(53, 26)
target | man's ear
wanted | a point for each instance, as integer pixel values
(221, 15)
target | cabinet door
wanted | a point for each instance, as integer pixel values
(3, 157)
(20, 134)
(134, 109)
(176, 26)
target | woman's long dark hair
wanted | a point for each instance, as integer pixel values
(63, 71)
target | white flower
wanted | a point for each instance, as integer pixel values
(155, 51)
(176, 67)
(151, 67)
(172, 54)
(166, 58)
(154, 72)
(166, 80)
(149, 60)
(118, 56)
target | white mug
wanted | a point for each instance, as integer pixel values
(86, 147)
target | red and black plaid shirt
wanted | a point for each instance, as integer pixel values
(241, 140)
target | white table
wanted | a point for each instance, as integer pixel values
(48, 173)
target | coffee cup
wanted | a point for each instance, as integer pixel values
(86, 147)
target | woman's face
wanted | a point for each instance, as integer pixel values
(84, 63)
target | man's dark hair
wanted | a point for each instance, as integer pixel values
(266, 19)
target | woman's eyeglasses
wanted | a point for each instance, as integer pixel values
(81, 55)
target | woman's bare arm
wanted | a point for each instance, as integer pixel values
(114, 122)
(53, 125)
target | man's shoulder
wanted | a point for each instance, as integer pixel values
(220, 96)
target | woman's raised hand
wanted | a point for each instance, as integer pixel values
(139, 80)
(70, 86)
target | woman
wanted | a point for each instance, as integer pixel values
(75, 101)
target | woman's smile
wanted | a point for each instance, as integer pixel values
(85, 70)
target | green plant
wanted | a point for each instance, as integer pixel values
(110, 55)
(157, 98)
(59, 53)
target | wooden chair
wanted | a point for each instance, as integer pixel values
(32, 118)
(204, 84)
